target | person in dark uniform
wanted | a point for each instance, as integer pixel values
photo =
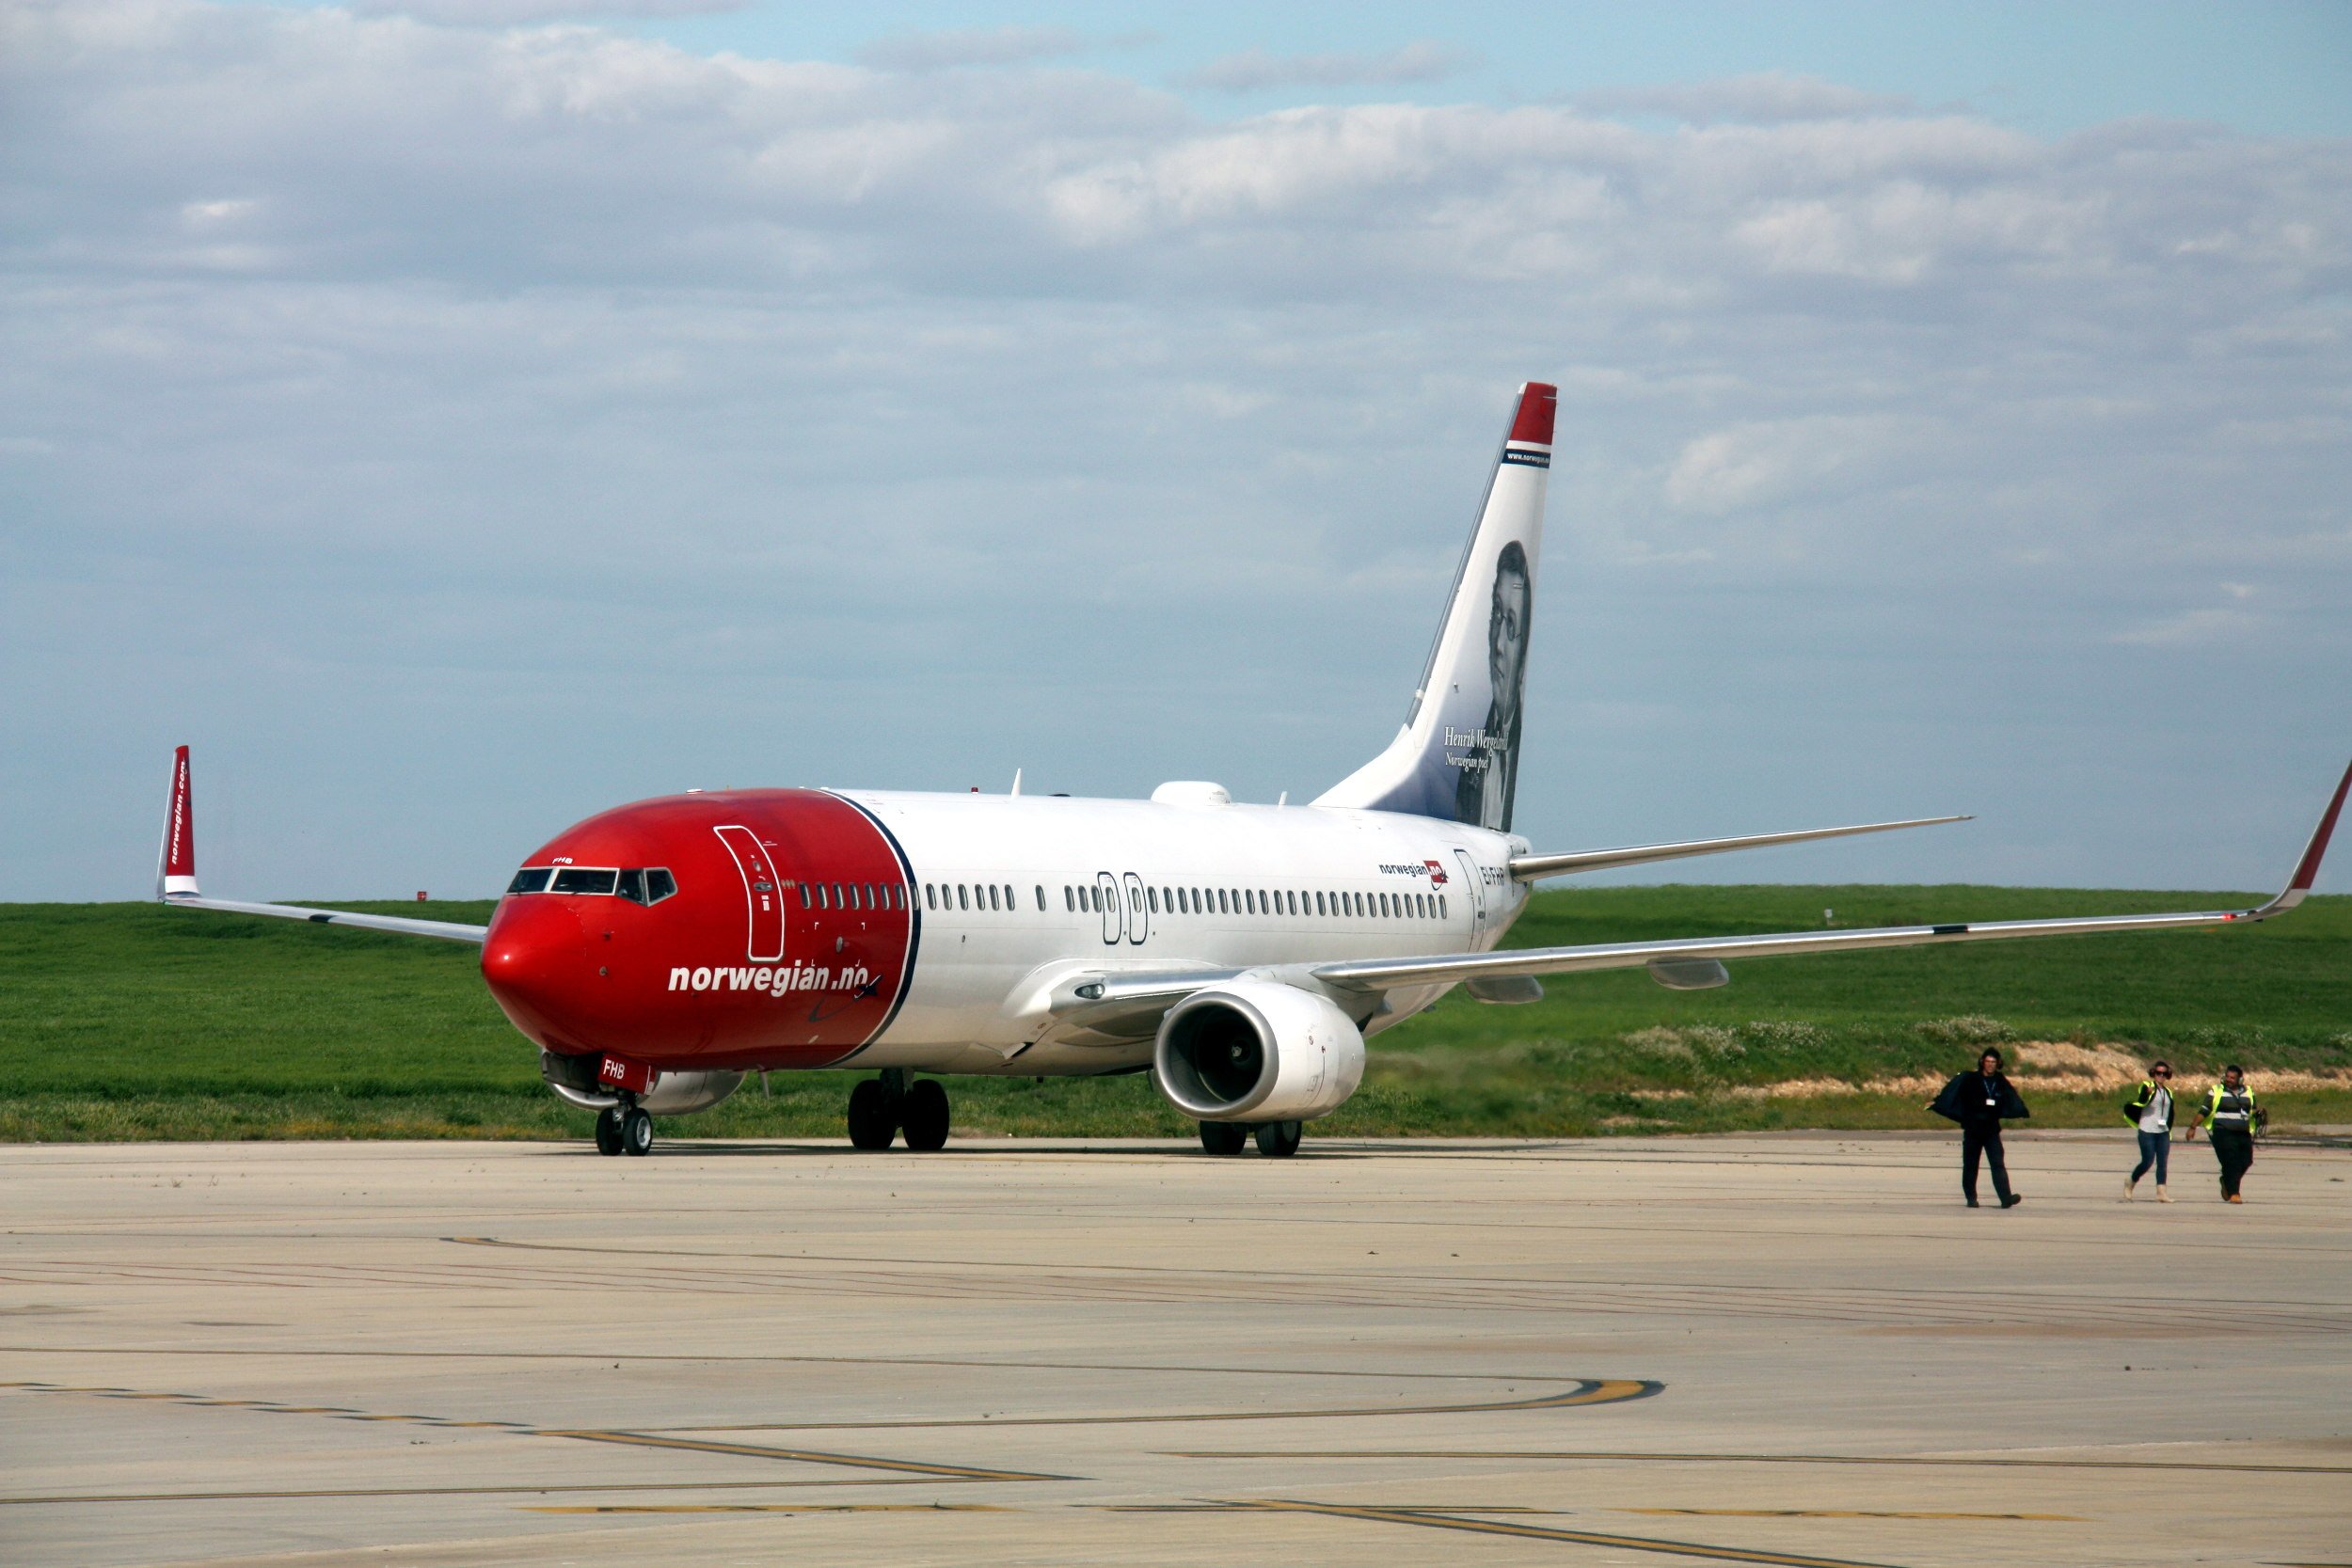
(1981, 1102)
(2230, 1107)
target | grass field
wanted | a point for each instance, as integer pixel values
(130, 1020)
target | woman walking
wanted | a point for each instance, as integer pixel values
(2149, 1110)
(2230, 1106)
(1980, 1101)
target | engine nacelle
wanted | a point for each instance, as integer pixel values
(1257, 1051)
(673, 1094)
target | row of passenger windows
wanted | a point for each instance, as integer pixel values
(639, 886)
(1201, 900)
(1270, 901)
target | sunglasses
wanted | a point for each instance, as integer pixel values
(2164, 1072)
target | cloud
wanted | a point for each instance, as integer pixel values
(513, 13)
(1255, 71)
(972, 46)
(384, 402)
(1765, 98)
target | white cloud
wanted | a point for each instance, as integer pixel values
(513, 13)
(1255, 71)
(972, 46)
(1764, 98)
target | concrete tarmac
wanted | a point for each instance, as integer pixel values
(1775, 1350)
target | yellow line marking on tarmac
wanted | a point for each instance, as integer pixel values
(1840, 1513)
(1602, 1390)
(772, 1508)
(542, 1489)
(1611, 1455)
(1552, 1533)
(637, 1440)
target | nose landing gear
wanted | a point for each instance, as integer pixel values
(881, 1108)
(623, 1129)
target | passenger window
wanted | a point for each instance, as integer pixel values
(963, 896)
(1319, 909)
(1010, 903)
(1292, 899)
(575, 878)
(1040, 897)
(1151, 899)
(531, 879)
(1441, 915)
(991, 896)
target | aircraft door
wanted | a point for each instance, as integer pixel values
(761, 891)
(1107, 886)
(1474, 893)
(1138, 910)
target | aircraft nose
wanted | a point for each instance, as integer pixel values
(537, 961)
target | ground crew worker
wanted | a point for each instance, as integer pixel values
(1979, 1101)
(2230, 1107)
(2149, 1110)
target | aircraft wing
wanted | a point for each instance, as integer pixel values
(1386, 973)
(175, 880)
(1531, 868)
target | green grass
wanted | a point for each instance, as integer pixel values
(131, 1021)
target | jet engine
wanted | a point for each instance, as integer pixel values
(1257, 1051)
(673, 1094)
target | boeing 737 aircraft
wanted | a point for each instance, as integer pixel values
(1242, 954)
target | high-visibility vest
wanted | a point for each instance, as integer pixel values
(2143, 1098)
(2228, 1107)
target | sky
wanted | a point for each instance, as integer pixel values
(455, 417)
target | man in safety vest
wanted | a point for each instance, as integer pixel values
(2230, 1107)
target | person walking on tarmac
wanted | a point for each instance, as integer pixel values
(2149, 1110)
(2230, 1107)
(1979, 1102)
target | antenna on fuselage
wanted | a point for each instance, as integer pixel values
(1016, 780)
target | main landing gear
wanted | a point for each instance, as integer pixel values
(623, 1129)
(881, 1108)
(1277, 1140)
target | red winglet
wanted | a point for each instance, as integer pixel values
(2308, 872)
(175, 870)
(1539, 403)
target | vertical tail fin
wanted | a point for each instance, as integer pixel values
(1457, 756)
(175, 862)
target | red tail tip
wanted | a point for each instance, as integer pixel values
(1537, 403)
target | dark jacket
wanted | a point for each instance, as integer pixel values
(1962, 1099)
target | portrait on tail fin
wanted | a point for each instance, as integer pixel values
(1490, 763)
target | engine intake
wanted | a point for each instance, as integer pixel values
(1257, 1051)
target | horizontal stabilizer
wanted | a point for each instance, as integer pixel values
(1531, 868)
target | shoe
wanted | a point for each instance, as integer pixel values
(2013, 1200)
(2162, 1197)
(1972, 1203)
(2130, 1185)
(2233, 1199)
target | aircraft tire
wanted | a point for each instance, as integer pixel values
(923, 1115)
(609, 1129)
(871, 1125)
(1279, 1140)
(1224, 1137)
(636, 1132)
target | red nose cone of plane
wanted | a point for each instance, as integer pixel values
(536, 962)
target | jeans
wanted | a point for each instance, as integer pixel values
(2154, 1150)
(2235, 1148)
(1982, 1137)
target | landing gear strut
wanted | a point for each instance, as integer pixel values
(881, 1108)
(623, 1129)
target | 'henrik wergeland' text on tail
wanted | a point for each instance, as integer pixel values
(1457, 756)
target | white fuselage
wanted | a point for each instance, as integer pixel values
(1156, 886)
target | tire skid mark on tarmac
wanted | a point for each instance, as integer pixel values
(584, 1435)
(1591, 1390)
(1428, 1519)
(1617, 1455)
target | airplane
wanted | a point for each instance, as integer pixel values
(1243, 955)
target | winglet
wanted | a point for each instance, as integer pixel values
(2307, 869)
(175, 862)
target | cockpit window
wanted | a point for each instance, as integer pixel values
(660, 884)
(531, 879)
(583, 878)
(633, 886)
